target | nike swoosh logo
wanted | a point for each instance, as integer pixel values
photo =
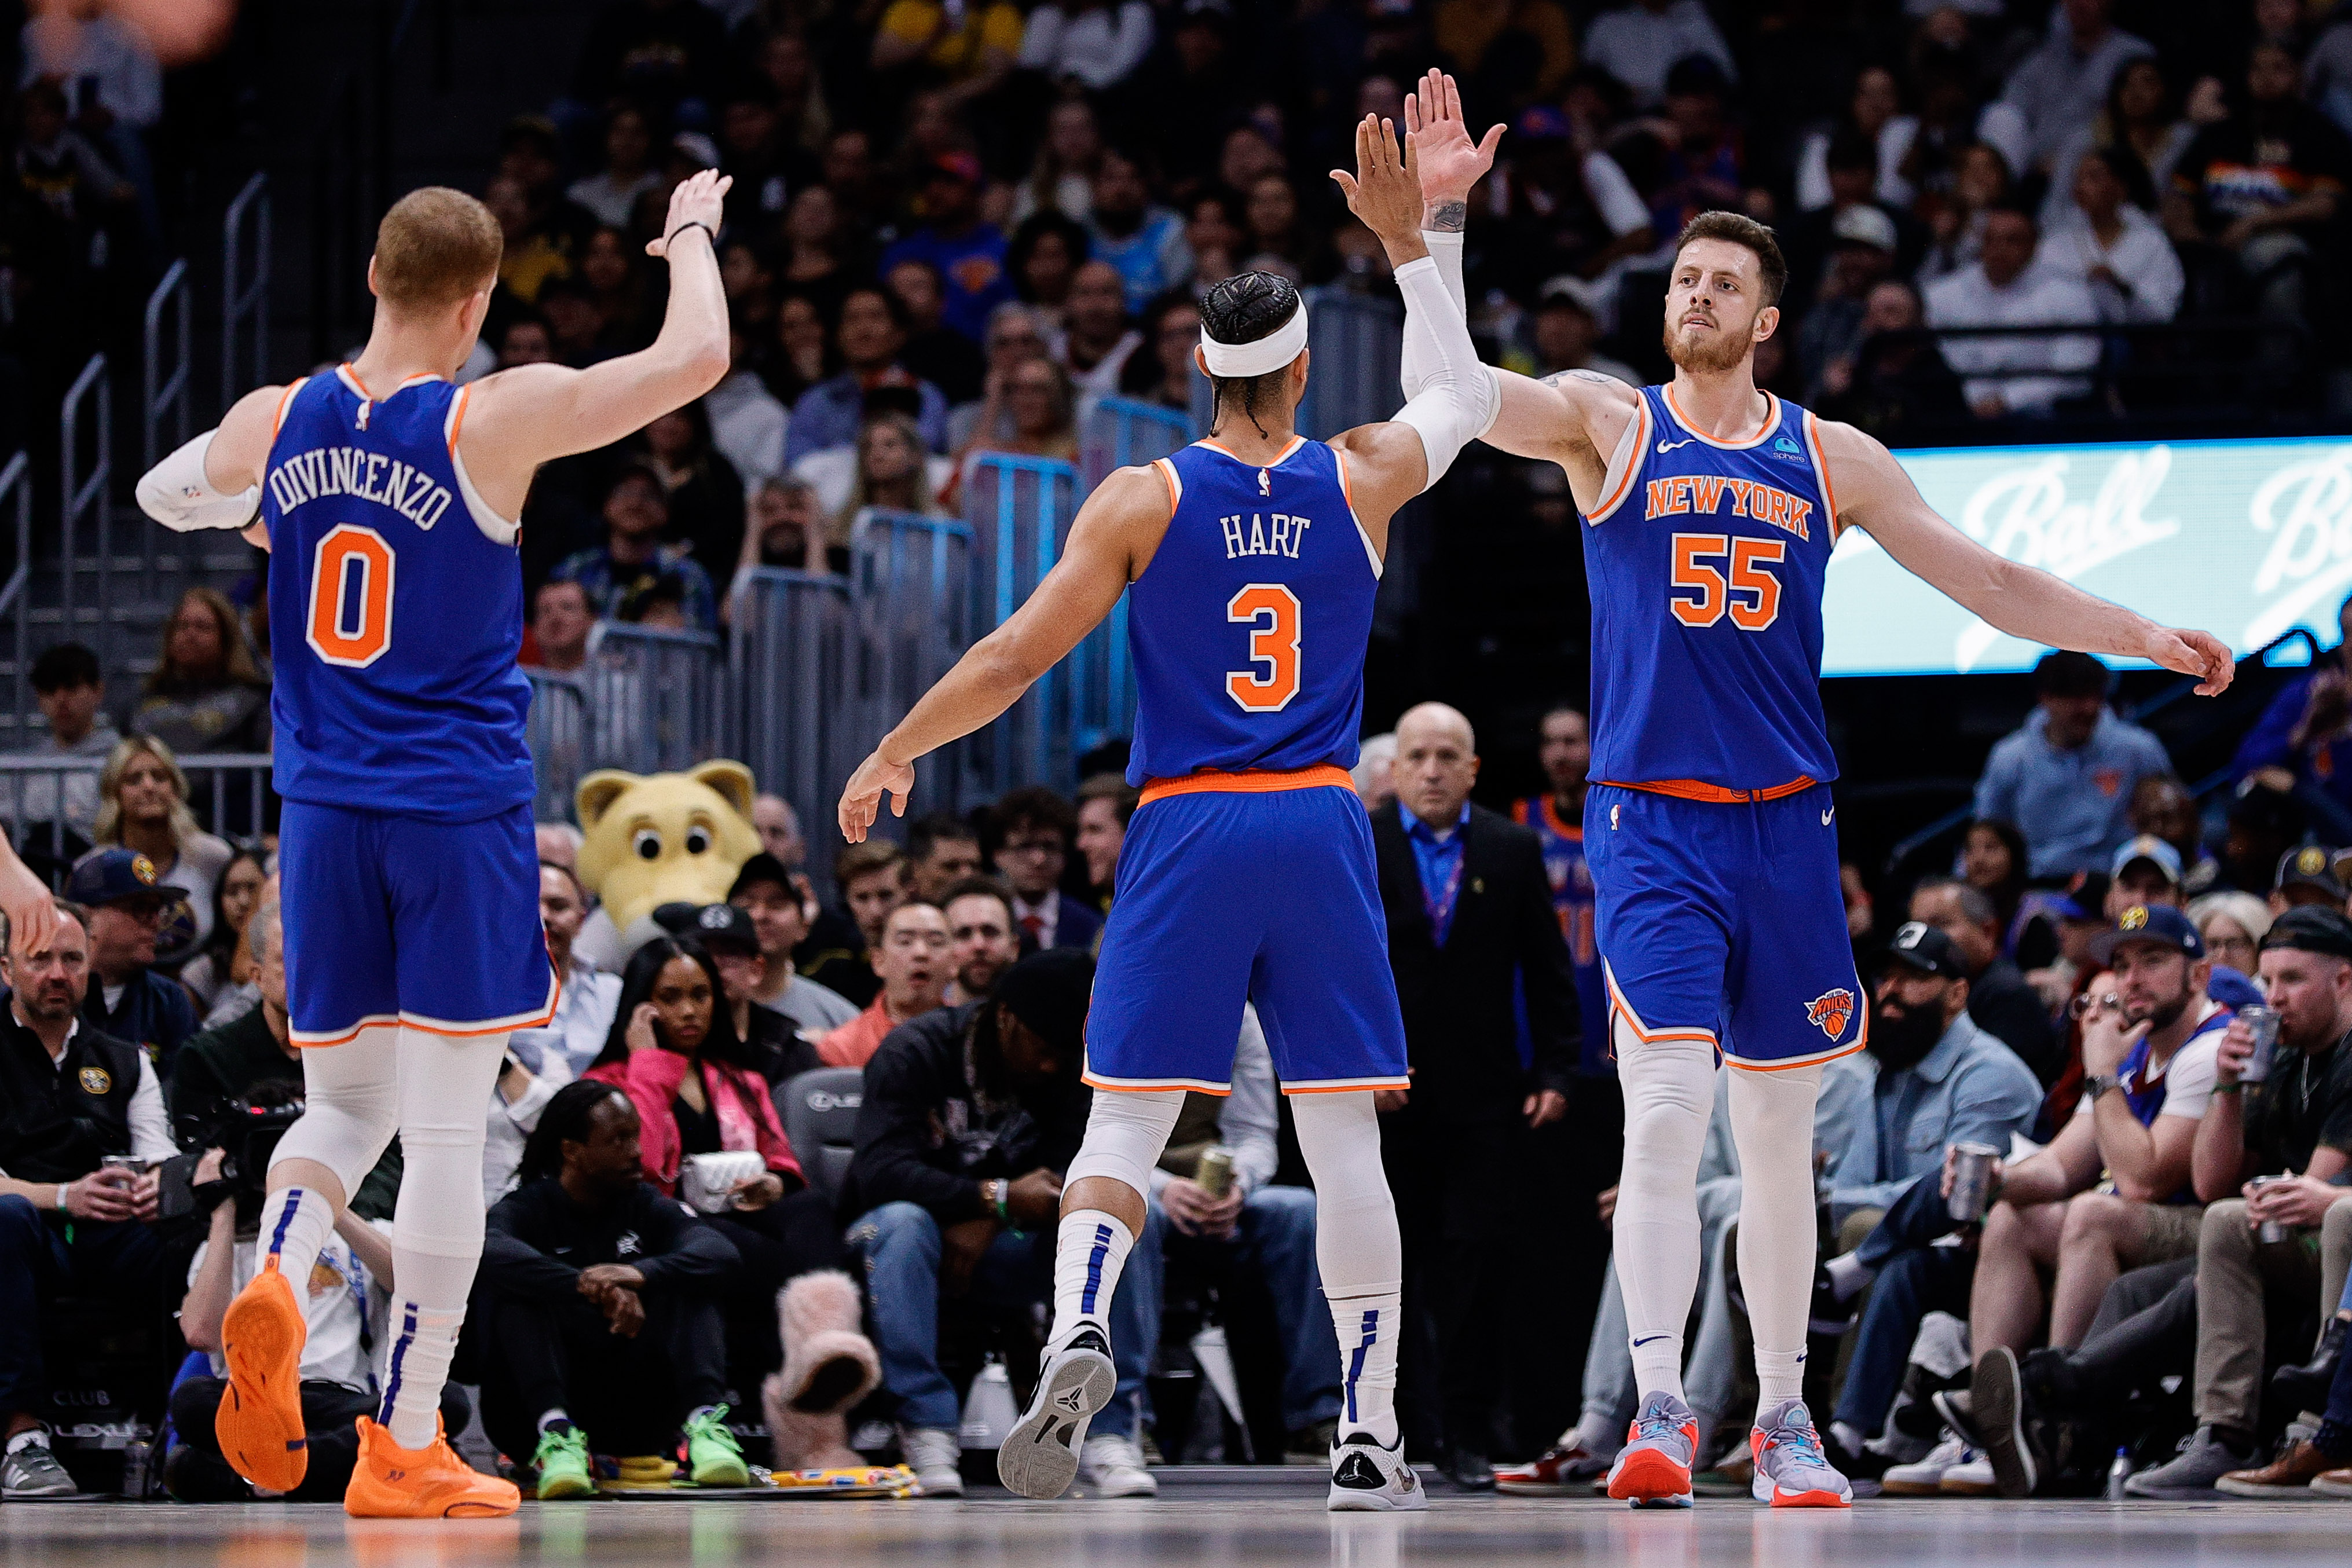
(1828, 814)
(1665, 447)
(1638, 1343)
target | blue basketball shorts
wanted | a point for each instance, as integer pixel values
(1727, 923)
(1240, 893)
(432, 925)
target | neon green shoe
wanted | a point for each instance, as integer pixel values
(712, 1458)
(561, 1463)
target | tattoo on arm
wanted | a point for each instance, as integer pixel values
(1594, 376)
(1449, 218)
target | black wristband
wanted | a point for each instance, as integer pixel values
(693, 223)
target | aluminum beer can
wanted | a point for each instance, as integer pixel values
(1216, 1175)
(2264, 1023)
(2270, 1232)
(1971, 1181)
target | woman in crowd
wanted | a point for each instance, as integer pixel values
(818, 255)
(222, 963)
(1216, 231)
(1041, 257)
(1980, 184)
(2233, 925)
(1993, 861)
(611, 191)
(802, 342)
(1162, 370)
(143, 805)
(1017, 333)
(801, 112)
(893, 473)
(206, 694)
(705, 492)
(674, 1051)
(2109, 237)
(1061, 178)
(1030, 412)
(2143, 118)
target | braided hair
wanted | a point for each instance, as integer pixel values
(1242, 309)
(565, 1119)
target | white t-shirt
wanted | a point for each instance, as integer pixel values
(344, 1312)
(2188, 1078)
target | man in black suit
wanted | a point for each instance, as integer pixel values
(1469, 913)
(1034, 828)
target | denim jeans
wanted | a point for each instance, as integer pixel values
(899, 1244)
(1914, 1278)
(1274, 1239)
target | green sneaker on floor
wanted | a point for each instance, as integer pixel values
(713, 1458)
(561, 1464)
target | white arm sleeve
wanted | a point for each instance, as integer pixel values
(176, 493)
(1457, 401)
(1413, 370)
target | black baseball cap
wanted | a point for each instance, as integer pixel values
(2313, 928)
(1927, 950)
(715, 926)
(2159, 923)
(120, 877)
(2309, 866)
(1048, 992)
(761, 868)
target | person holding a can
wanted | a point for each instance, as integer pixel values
(2290, 1116)
(2112, 1190)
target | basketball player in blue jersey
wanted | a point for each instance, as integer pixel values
(1710, 509)
(410, 876)
(1251, 559)
(1558, 818)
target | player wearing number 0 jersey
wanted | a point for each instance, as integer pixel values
(1251, 559)
(1711, 511)
(408, 872)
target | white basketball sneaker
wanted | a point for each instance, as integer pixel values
(1367, 1478)
(1040, 1457)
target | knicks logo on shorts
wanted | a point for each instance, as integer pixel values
(1832, 1010)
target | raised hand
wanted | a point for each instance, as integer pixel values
(1381, 192)
(2200, 654)
(699, 198)
(1445, 160)
(861, 798)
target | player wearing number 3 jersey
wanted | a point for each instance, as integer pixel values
(1250, 561)
(409, 880)
(1710, 509)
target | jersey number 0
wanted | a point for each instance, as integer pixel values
(349, 619)
(1271, 611)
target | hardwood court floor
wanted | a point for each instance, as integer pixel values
(1203, 1527)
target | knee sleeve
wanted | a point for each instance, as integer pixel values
(1773, 1127)
(350, 1106)
(1356, 1243)
(1125, 1131)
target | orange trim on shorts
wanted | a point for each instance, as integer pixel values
(1716, 794)
(1255, 782)
(1368, 1087)
(458, 416)
(380, 1021)
(1093, 1082)
(1831, 1056)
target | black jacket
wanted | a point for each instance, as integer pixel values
(1461, 1026)
(539, 1241)
(938, 1120)
(58, 1119)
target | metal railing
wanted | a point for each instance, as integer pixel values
(654, 697)
(909, 599)
(17, 594)
(245, 300)
(561, 744)
(82, 495)
(1125, 431)
(1020, 509)
(50, 803)
(1358, 344)
(162, 394)
(790, 663)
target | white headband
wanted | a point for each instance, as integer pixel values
(1272, 352)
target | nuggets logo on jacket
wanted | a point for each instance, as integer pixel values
(96, 1081)
(1832, 1010)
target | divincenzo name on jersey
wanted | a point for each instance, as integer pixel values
(371, 475)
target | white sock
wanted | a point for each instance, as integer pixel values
(1849, 1277)
(552, 1416)
(1089, 1249)
(295, 1223)
(426, 1338)
(30, 1437)
(1773, 1127)
(1357, 1252)
(1669, 1099)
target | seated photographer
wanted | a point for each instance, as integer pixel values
(972, 1115)
(599, 1308)
(1254, 1228)
(78, 1110)
(675, 1053)
(223, 1065)
(343, 1310)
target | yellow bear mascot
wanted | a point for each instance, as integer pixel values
(658, 840)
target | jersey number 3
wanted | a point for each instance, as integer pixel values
(350, 623)
(1702, 595)
(1271, 611)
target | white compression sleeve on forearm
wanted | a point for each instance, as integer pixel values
(1457, 400)
(179, 494)
(1414, 369)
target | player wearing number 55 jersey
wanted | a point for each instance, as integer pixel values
(1711, 509)
(1252, 558)
(409, 878)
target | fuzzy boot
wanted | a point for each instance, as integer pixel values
(829, 1366)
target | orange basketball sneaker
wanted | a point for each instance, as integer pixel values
(260, 1419)
(431, 1482)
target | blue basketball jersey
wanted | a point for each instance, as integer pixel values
(1571, 875)
(1248, 626)
(395, 609)
(1706, 562)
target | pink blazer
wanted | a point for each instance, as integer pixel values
(747, 1115)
